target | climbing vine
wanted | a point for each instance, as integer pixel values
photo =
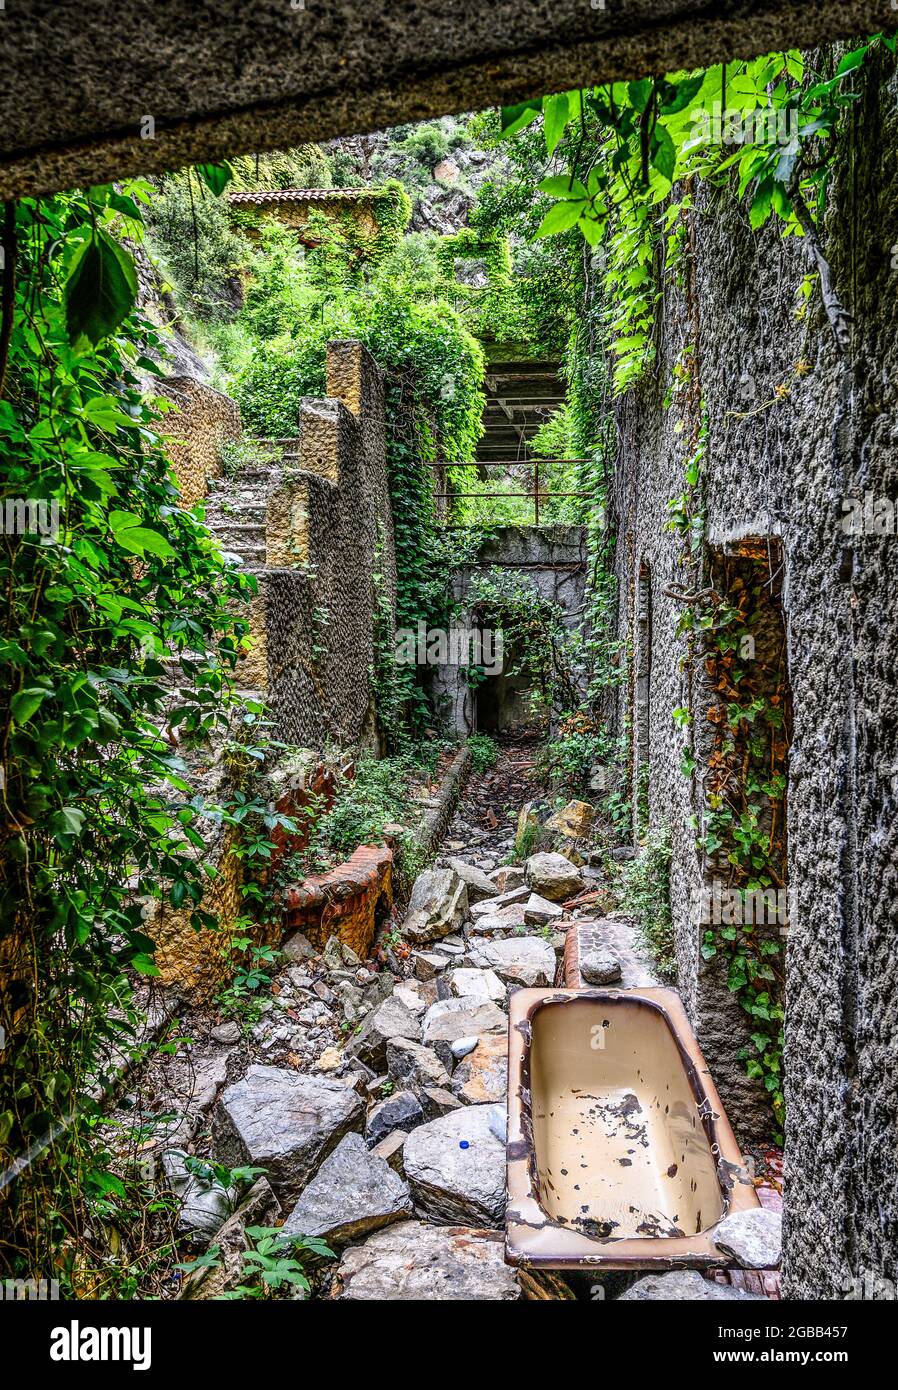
(625, 148)
(121, 626)
(738, 768)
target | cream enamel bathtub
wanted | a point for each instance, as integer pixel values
(619, 1153)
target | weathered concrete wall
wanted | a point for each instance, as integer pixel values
(553, 559)
(319, 71)
(779, 465)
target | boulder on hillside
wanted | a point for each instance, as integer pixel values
(519, 960)
(507, 876)
(475, 880)
(574, 820)
(450, 1019)
(401, 1110)
(477, 984)
(553, 876)
(482, 1076)
(538, 912)
(414, 1065)
(519, 894)
(391, 1019)
(437, 907)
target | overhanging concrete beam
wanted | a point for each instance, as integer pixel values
(226, 78)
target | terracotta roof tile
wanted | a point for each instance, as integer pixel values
(302, 195)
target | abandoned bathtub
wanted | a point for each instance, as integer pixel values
(619, 1153)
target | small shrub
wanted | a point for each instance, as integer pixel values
(644, 893)
(484, 752)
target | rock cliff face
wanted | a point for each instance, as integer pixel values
(436, 162)
(795, 429)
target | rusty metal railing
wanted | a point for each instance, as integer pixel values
(533, 495)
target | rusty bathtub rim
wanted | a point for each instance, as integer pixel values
(573, 1249)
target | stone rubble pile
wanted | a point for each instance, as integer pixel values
(374, 1099)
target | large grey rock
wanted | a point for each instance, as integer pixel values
(477, 984)
(298, 948)
(437, 907)
(450, 1019)
(519, 960)
(204, 1204)
(409, 994)
(552, 876)
(599, 966)
(508, 876)
(427, 964)
(226, 1033)
(391, 1019)
(402, 1110)
(684, 1284)
(413, 1261)
(509, 918)
(456, 1167)
(353, 1193)
(482, 1076)
(754, 1238)
(475, 880)
(390, 1150)
(414, 1065)
(511, 898)
(283, 1122)
(539, 911)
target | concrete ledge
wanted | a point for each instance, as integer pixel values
(436, 822)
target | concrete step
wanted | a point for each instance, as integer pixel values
(245, 529)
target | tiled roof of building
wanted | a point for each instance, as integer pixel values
(301, 195)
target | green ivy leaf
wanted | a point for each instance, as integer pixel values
(563, 186)
(560, 217)
(144, 964)
(663, 152)
(683, 95)
(557, 112)
(68, 821)
(761, 204)
(852, 60)
(639, 93)
(216, 176)
(137, 539)
(514, 118)
(25, 704)
(100, 291)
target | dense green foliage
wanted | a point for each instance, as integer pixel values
(294, 305)
(120, 630)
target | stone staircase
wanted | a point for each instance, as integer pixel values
(237, 503)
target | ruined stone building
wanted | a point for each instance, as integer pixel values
(789, 430)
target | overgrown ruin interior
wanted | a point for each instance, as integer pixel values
(447, 546)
